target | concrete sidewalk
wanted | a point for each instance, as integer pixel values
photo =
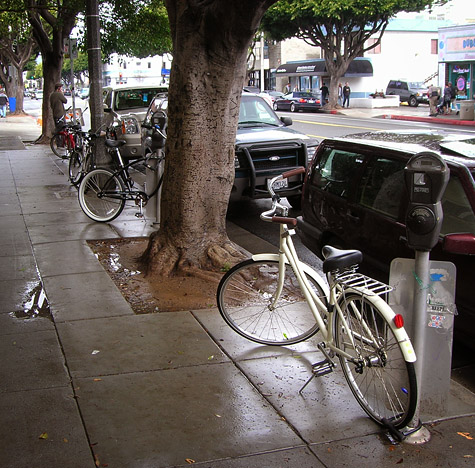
(85, 382)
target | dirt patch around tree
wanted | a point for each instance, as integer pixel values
(146, 295)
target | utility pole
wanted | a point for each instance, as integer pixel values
(95, 75)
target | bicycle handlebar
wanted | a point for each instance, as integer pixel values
(277, 208)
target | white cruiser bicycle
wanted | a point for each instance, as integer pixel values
(275, 299)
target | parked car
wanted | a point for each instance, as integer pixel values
(298, 100)
(412, 92)
(265, 147)
(271, 95)
(84, 93)
(129, 104)
(36, 94)
(354, 196)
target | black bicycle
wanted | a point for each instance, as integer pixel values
(103, 193)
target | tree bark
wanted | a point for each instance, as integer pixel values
(210, 42)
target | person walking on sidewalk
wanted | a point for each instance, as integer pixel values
(3, 104)
(57, 102)
(433, 94)
(447, 98)
(346, 94)
(325, 92)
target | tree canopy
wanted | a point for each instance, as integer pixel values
(340, 27)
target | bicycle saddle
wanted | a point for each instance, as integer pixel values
(337, 259)
(115, 143)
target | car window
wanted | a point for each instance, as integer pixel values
(134, 98)
(255, 110)
(382, 186)
(335, 170)
(458, 213)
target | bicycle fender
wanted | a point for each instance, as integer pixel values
(306, 268)
(400, 333)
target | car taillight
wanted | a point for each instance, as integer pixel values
(302, 100)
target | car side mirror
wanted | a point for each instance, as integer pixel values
(287, 121)
(463, 244)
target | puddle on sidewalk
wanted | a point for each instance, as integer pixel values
(35, 305)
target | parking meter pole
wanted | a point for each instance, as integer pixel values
(416, 433)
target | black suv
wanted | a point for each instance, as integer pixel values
(265, 147)
(412, 92)
(355, 197)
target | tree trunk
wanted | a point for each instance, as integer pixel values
(210, 42)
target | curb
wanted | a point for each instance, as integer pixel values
(468, 123)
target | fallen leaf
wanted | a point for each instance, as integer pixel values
(190, 460)
(218, 415)
(43, 436)
(96, 351)
(468, 456)
(97, 380)
(465, 434)
(65, 440)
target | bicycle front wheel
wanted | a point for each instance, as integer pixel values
(58, 146)
(383, 383)
(247, 301)
(75, 169)
(100, 195)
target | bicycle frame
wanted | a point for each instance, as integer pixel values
(122, 172)
(288, 255)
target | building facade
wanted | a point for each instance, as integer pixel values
(135, 71)
(457, 59)
(408, 50)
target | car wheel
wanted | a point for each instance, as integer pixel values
(413, 101)
(292, 107)
(275, 106)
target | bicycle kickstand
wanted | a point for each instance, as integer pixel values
(320, 368)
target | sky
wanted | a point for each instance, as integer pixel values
(459, 11)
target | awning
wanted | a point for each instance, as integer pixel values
(358, 67)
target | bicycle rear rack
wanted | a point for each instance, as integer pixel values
(353, 279)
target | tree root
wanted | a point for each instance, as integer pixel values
(163, 258)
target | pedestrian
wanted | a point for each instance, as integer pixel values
(287, 88)
(57, 102)
(325, 92)
(3, 104)
(447, 98)
(346, 94)
(453, 92)
(340, 94)
(433, 95)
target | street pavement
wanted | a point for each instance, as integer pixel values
(85, 382)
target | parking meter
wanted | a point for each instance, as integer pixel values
(426, 175)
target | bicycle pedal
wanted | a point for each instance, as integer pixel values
(320, 369)
(323, 367)
(139, 215)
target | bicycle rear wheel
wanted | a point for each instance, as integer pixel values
(100, 195)
(381, 380)
(58, 146)
(246, 301)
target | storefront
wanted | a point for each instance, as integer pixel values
(457, 59)
(309, 75)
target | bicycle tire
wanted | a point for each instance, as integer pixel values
(96, 206)
(75, 168)
(244, 299)
(58, 147)
(382, 381)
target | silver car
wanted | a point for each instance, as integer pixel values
(129, 104)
